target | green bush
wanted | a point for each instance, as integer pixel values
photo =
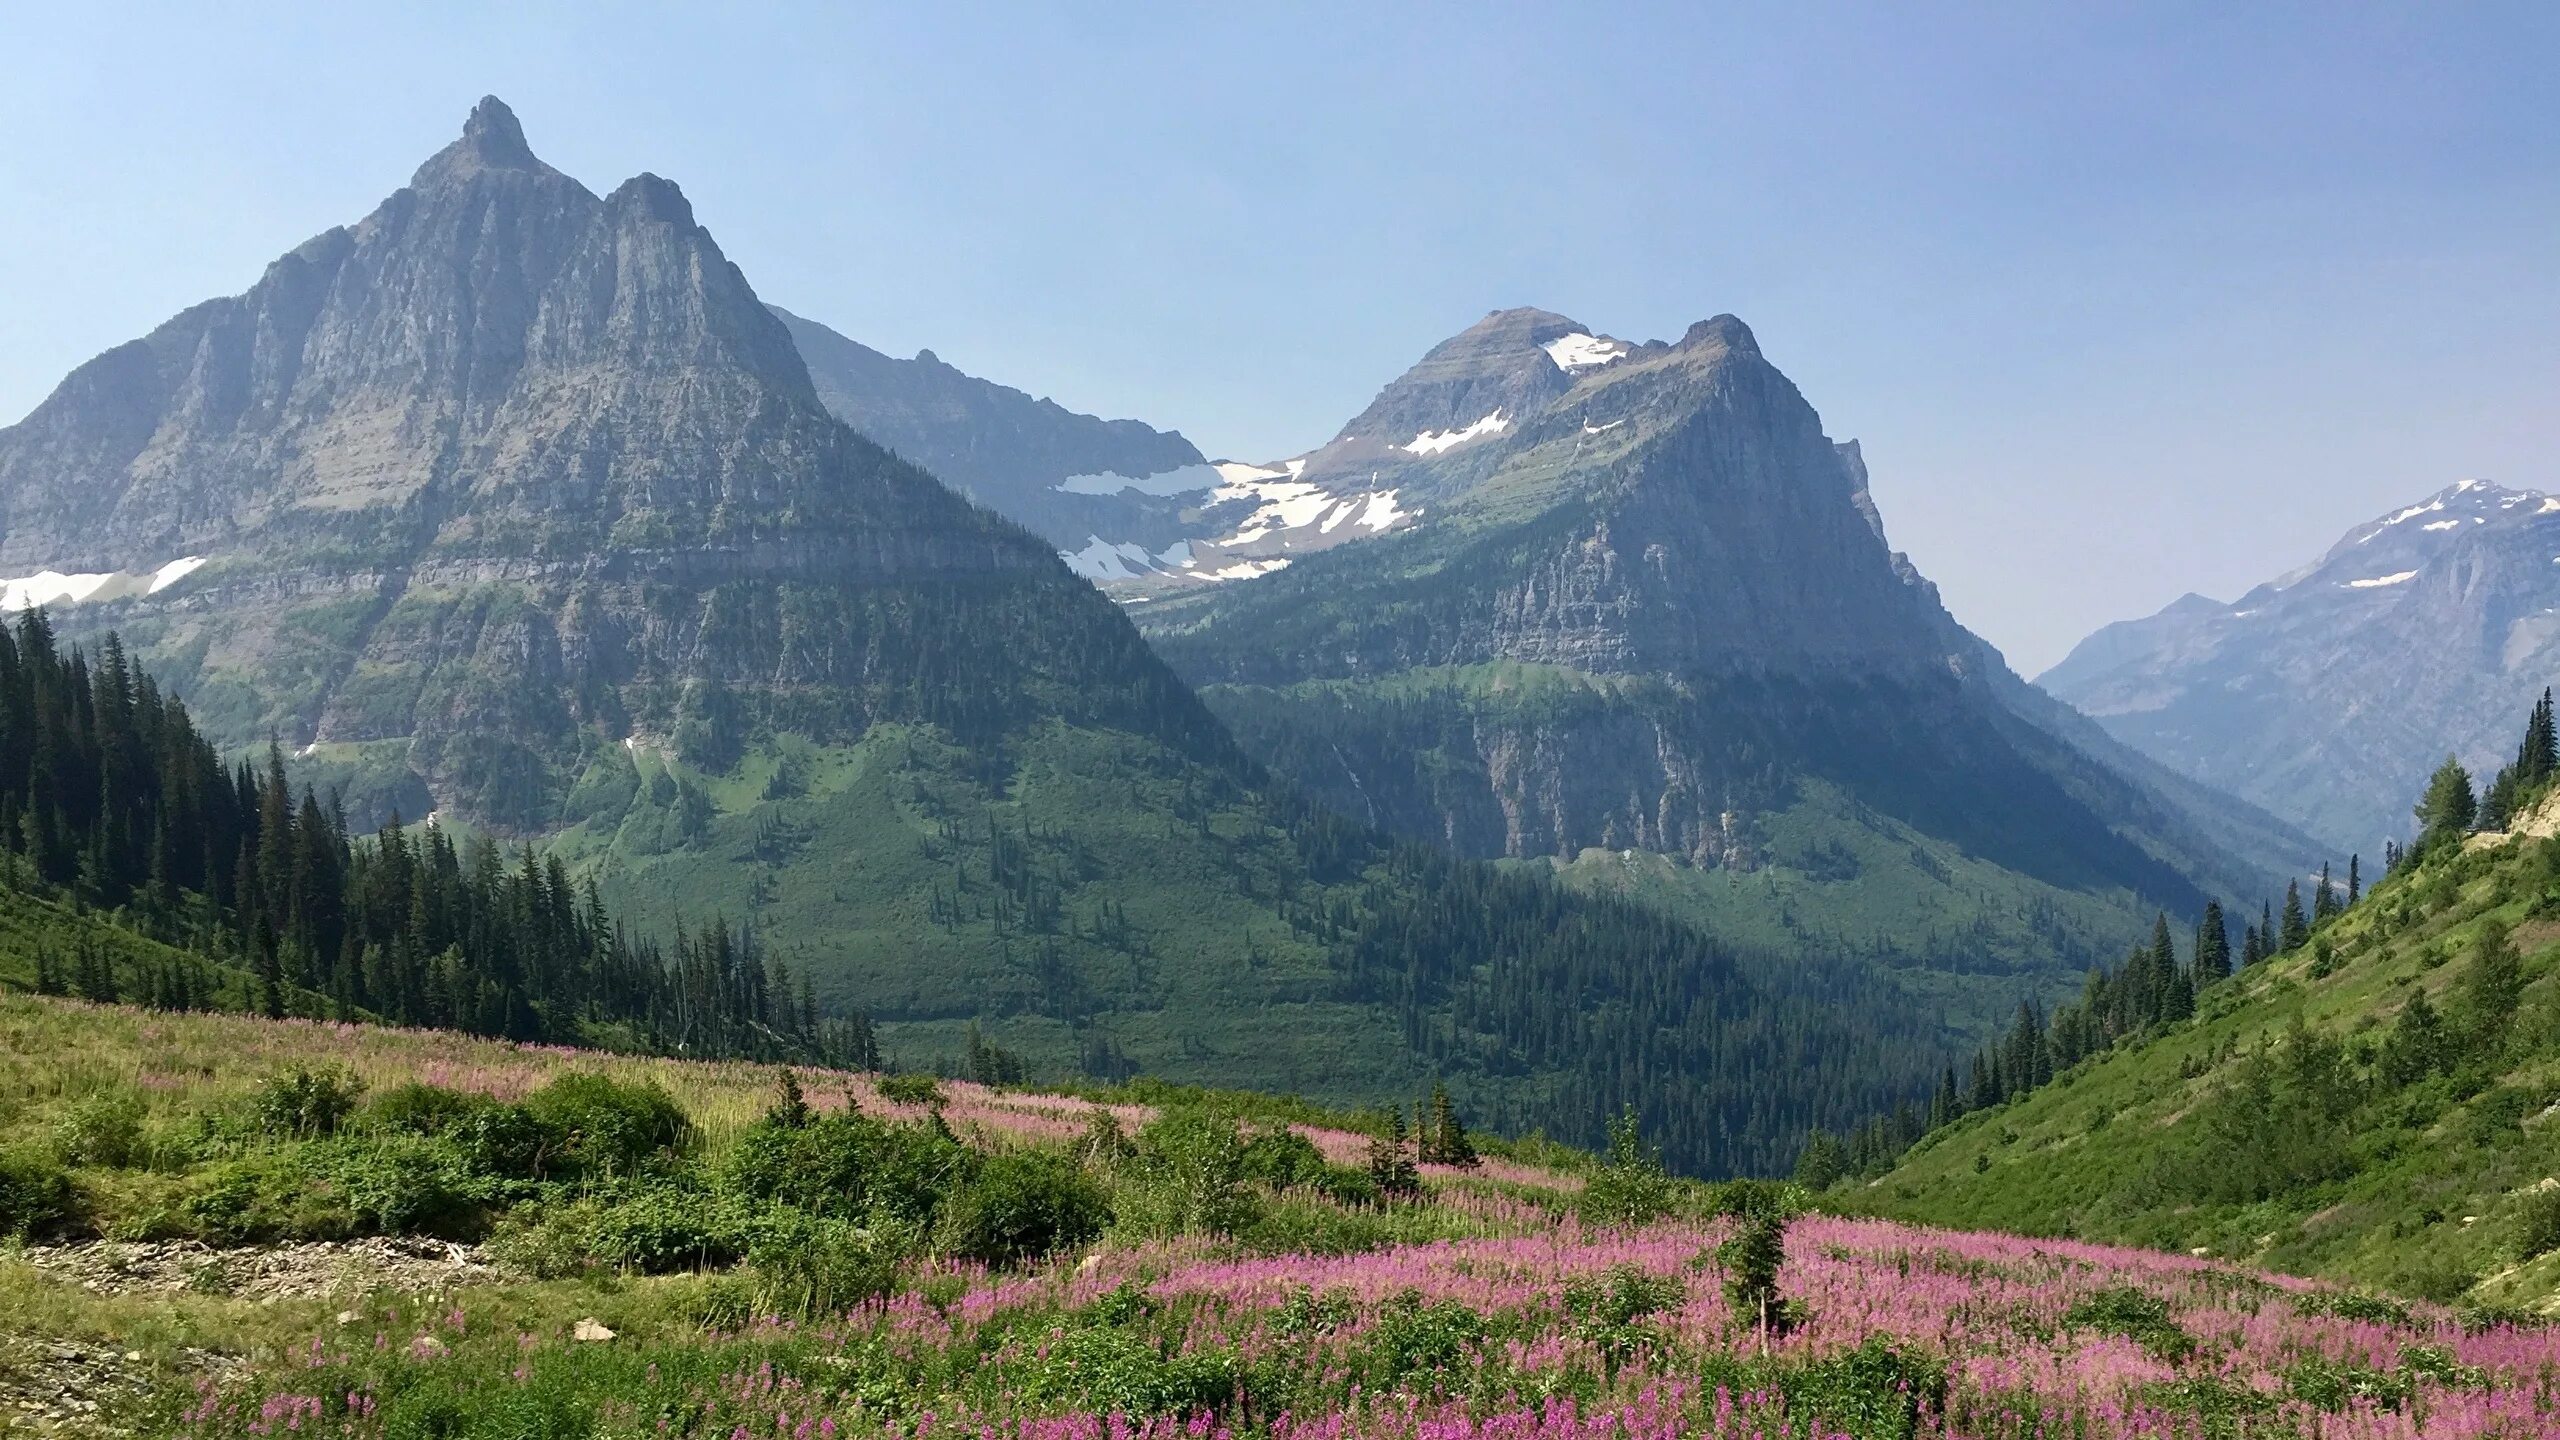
(1283, 1159)
(665, 1228)
(407, 1185)
(1412, 1337)
(417, 1108)
(266, 1196)
(848, 1166)
(1021, 1205)
(2139, 1316)
(809, 1266)
(1187, 1175)
(104, 1129)
(1878, 1389)
(607, 1127)
(1292, 1226)
(910, 1089)
(305, 1101)
(35, 1194)
(2538, 1224)
(1631, 1187)
(1105, 1360)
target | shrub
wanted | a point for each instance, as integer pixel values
(1879, 1388)
(847, 1165)
(1412, 1337)
(1282, 1158)
(35, 1194)
(2538, 1224)
(417, 1108)
(910, 1089)
(103, 1130)
(607, 1127)
(1105, 1361)
(665, 1228)
(407, 1185)
(2139, 1316)
(264, 1196)
(305, 1101)
(1630, 1187)
(1188, 1175)
(809, 1266)
(1022, 1205)
(1302, 1227)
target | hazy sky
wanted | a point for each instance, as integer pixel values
(2124, 300)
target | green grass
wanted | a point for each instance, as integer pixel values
(873, 870)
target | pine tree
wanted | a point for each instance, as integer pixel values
(1391, 1166)
(2448, 808)
(1822, 1162)
(2355, 881)
(2296, 929)
(1444, 1138)
(2213, 945)
(2492, 986)
(2324, 900)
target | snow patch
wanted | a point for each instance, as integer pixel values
(173, 572)
(53, 587)
(1590, 429)
(1432, 442)
(1583, 352)
(2402, 578)
(2442, 525)
(1248, 569)
(1102, 560)
(1180, 481)
(1236, 472)
(1382, 511)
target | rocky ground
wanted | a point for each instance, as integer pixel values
(319, 1268)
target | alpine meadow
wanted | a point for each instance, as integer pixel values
(588, 856)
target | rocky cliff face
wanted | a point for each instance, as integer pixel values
(503, 469)
(1648, 601)
(2328, 694)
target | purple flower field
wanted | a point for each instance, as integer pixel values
(1902, 1332)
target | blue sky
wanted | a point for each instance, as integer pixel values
(2123, 300)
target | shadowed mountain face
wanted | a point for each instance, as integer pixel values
(1647, 605)
(1072, 479)
(2328, 694)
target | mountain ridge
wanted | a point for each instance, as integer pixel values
(2420, 630)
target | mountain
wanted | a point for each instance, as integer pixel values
(516, 504)
(2373, 1103)
(1645, 626)
(2327, 694)
(1073, 479)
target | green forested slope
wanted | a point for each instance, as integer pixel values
(2375, 1102)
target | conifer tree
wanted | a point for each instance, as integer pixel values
(2296, 929)
(2324, 899)
(2213, 946)
(2448, 808)
(2355, 880)
(1444, 1138)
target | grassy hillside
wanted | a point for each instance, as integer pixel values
(627, 1247)
(2376, 1104)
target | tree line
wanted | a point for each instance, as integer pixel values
(110, 797)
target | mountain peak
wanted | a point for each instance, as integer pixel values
(1725, 330)
(492, 139)
(653, 197)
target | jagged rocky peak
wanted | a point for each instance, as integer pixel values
(492, 139)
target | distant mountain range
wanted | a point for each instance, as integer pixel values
(2326, 695)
